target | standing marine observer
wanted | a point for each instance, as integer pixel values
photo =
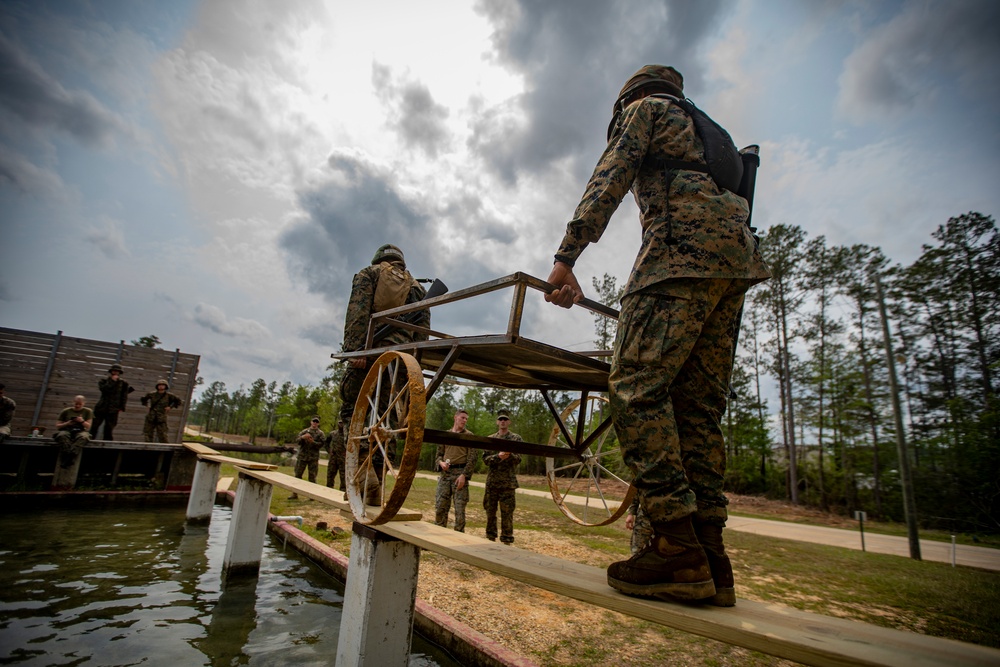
(679, 320)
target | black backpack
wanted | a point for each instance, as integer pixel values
(724, 163)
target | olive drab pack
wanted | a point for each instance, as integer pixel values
(394, 283)
(724, 163)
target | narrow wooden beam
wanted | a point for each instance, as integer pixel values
(319, 492)
(796, 635)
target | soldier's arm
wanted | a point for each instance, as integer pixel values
(610, 182)
(470, 463)
(359, 310)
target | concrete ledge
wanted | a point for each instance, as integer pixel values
(467, 645)
(30, 500)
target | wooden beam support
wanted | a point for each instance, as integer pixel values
(377, 619)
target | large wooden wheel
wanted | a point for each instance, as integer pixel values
(585, 489)
(389, 412)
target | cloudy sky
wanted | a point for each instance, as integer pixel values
(213, 173)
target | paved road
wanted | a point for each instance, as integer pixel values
(971, 556)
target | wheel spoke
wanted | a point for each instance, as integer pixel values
(591, 477)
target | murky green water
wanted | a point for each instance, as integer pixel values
(139, 587)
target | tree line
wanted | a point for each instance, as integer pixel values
(822, 338)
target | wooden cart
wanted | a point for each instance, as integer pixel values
(387, 430)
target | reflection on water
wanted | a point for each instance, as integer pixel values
(128, 587)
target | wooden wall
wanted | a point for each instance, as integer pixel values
(43, 372)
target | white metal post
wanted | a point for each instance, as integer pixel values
(245, 543)
(379, 599)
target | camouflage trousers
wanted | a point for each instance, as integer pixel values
(446, 494)
(308, 460)
(109, 419)
(155, 429)
(506, 500)
(668, 388)
(336, 464)
(350, 387)
(70, 443)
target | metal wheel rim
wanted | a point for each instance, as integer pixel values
(396, 380)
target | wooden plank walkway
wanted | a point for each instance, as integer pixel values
(775, 629)
(324, 494)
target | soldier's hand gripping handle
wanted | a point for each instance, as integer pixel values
(567, 290)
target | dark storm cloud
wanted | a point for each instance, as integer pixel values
(915, 57)
(413, 114)
(356, 208)
(575, 56)
(38, 101)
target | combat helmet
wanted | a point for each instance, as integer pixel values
(116, 367)
(388, 253)
(164, 383)
(648, 79)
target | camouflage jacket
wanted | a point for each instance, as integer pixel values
(502, 473)
(359, 312)
(690, 227)
(311, 448)
(7, 406)
(158, 403)
(114, 395)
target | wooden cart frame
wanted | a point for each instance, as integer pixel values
(391, 407)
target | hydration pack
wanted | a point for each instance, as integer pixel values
(723, 161)
(393, 287)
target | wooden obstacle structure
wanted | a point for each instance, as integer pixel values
(43, 372)
(381, 592)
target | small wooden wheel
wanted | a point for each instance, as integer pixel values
(583, 486)
(390, 410)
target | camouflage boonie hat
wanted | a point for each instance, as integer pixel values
(116, 367)
(163, 382)
(388, 253)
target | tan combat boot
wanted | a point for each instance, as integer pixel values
(710, 536)
(672, 565)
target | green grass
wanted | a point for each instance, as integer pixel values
(919, 596)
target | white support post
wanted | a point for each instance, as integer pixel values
(377, 619)
(245, 543)
(202, 498)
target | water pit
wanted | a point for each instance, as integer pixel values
(138, 586)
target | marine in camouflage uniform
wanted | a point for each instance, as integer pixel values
(160, 402)
(114, 398)
(72, 431)
(674, 347)
(359, 312)
(501, 484)
(457, 465)
(310, 441)
(336, 447)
